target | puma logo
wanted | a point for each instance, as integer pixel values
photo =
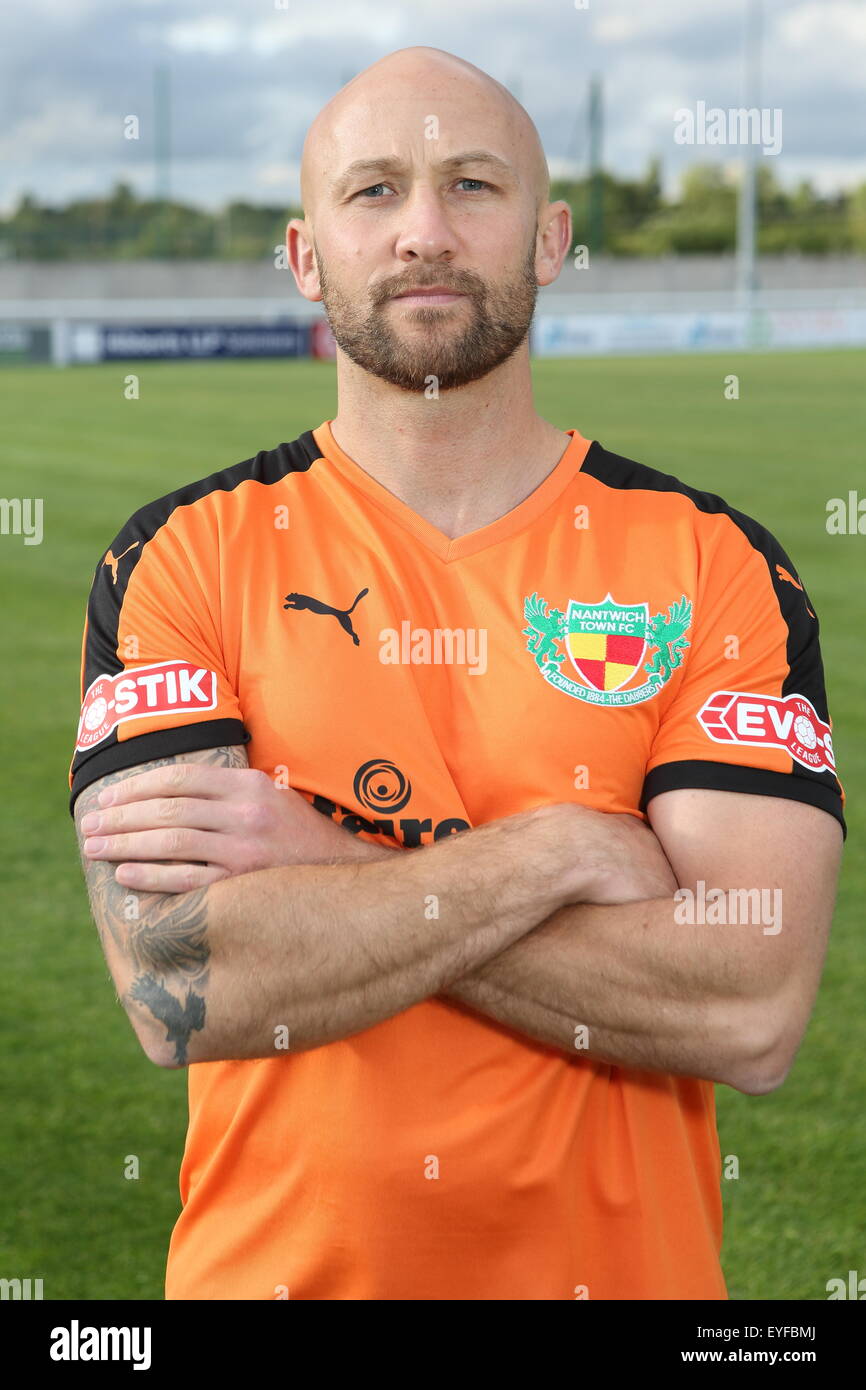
(113, 560)
(316, 605)
(789, 579)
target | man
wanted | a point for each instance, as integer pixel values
(503, 695)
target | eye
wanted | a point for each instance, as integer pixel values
(480, 182)
(371, 189)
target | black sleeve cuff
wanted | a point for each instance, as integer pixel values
(733, 777)
(164, 743)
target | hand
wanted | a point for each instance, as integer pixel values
(614, 858)
(210, 823)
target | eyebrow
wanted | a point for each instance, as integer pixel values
(387, 164)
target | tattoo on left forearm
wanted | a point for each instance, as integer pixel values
(165, 939)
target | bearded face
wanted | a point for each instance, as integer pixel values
(460, 342)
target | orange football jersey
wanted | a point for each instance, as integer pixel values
(616, 635)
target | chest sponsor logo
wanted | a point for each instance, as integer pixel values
(767, 721)
(164, 687)
(380, 786)
(605, 645)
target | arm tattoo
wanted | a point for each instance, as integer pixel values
(162, 935)
(179, 1020)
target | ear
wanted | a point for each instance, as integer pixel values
(555, 233)
(302, 259)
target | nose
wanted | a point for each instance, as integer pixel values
(425, 232)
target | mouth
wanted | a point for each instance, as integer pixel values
(433, 294)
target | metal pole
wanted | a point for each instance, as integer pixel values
(596, 182)
(747, 277)
(162, 148)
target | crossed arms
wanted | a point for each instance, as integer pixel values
(243, 911)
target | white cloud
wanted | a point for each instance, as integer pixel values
(247, 78)
(287, 29)
(617, 28)
(277, 176)
(63, 127)
(211, 34)
(819, 25)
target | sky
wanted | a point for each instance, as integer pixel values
(246, 78)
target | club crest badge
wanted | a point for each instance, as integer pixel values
(605, 645)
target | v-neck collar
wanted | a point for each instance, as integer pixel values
(446, 548)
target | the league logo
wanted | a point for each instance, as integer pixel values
(792, 723)
(164, 687)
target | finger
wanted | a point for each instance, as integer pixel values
(166, 812)
(168, 878)
(157, 844)
(178, 779)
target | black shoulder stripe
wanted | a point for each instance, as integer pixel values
(112, 577)
(268, 466)
(161, 743)
(805, 667)
(112, 574)
(737, 777)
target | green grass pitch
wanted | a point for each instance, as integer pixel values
(79, 1096)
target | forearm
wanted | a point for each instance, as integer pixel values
(301, 956)
(607, 982)
(617, 977)
(628, 985)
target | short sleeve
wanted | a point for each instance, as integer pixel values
(153, 678)
(750, 713)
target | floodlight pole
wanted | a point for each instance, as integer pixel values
(596, 177)
(746, 263)
(162, 148)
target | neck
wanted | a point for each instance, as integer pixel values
(460, 461)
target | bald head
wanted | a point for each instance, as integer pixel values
(428, 226)
(391, 103)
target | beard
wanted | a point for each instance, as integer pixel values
(500, 319)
